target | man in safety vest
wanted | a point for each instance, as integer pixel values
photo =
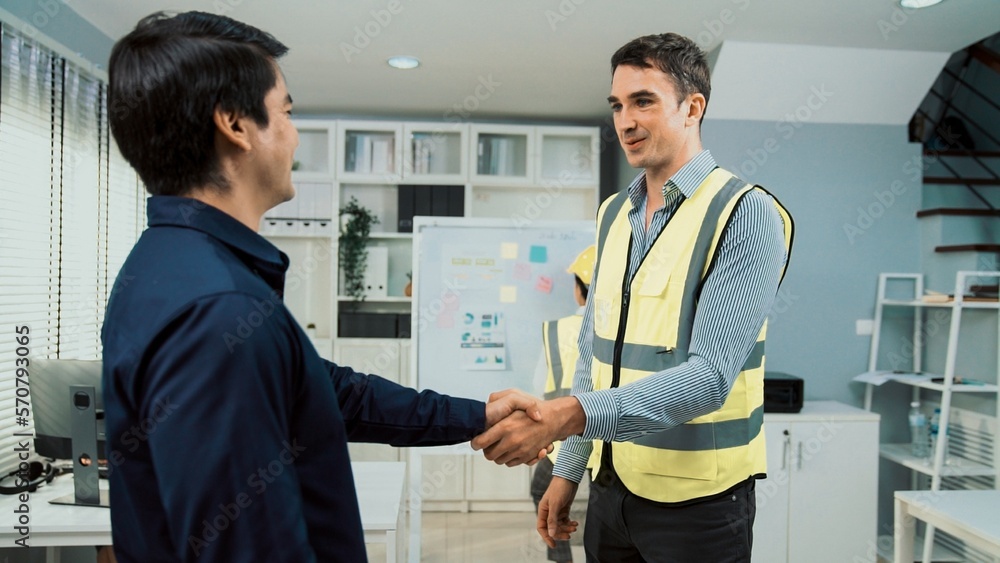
(560, 352)
(669, 385)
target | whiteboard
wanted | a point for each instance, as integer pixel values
(482, 289)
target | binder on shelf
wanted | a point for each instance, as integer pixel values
(439, 200)
(404, 204)
(377, 272)
(366, 325)
(403, 325)
(456, 201)
(421, 200)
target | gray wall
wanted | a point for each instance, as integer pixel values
(58, 21)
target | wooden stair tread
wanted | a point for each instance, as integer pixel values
(962, 181)
(958, 212)
(968, 248)
(962, 152)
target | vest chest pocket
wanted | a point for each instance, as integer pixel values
(654, 283)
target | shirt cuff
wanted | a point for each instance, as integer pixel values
(571, 462)
(602, 412)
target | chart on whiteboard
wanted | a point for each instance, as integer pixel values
(483, 341)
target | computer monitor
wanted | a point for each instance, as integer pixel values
(68, 412)
(51, 405)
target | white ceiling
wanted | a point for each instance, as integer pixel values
(550, 59)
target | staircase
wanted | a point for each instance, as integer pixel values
(958, 123)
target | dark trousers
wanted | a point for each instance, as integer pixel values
(624, 528)
(539, 483)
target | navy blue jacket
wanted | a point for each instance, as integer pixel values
(226, 432)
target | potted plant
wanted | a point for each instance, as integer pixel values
(355, 228)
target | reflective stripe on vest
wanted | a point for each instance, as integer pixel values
(559, 339)
(710, 453)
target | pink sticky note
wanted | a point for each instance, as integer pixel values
(522, 271)
(544, 284)
(451, 301)
(445, 320)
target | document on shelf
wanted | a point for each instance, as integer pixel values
(880, 377)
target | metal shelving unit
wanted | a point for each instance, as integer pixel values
(980, 455)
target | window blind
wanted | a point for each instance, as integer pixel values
(70, 210)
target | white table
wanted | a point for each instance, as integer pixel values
(971, 516)
(380, 495)
(379, 486)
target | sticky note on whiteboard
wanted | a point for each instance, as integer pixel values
(508, 250)
(539, 254)
(522, 271)
(544, 284)
(508, 294)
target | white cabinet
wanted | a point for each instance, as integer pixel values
(818, 503)
(435, 153)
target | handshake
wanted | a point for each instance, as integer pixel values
(520, 429)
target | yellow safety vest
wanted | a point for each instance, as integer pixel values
(710, 453)
(559, 340)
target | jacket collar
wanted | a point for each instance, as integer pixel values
(265, 259)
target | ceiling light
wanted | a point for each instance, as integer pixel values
(403, 63)
(914, 4)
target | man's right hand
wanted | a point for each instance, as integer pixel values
(553, 511)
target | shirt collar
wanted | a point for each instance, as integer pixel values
(687, 179)
(254, 250)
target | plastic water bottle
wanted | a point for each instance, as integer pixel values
(918, 431)
(935, 435)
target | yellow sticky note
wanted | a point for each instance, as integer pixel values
(508, 294)
(508, 250)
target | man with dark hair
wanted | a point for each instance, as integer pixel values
(227, 433)
(669, 385)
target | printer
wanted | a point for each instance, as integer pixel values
(782, 392)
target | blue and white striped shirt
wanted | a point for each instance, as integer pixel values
(735, 299)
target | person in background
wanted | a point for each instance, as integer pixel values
(226, 431)
(560, 353)
(668, 392)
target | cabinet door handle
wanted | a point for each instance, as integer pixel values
(784, 450)
(800, 456)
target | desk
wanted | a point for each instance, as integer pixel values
(971, 516)
(379, 486)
